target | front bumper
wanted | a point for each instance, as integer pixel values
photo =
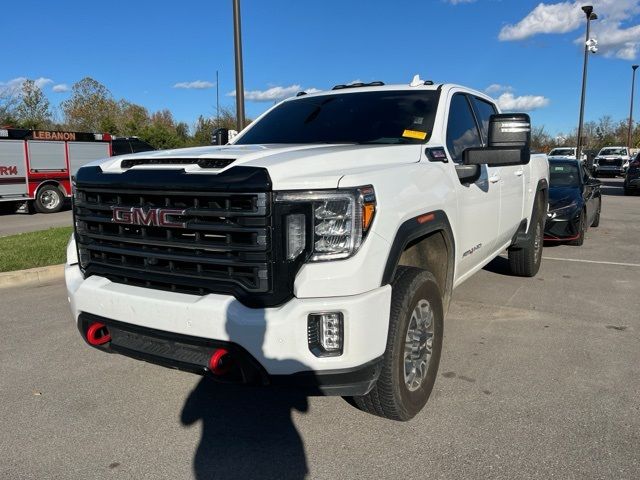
(609, 169)
(275, 339)
(562, 228)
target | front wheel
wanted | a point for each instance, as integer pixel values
(582, 227)
(49, 199)
(411, 360)
(525, 259)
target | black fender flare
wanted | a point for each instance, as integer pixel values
(415, 228)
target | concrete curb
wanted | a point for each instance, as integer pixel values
(34, 276)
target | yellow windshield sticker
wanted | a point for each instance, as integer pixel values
(414, 134)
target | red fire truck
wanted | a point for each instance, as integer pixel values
(36, 166)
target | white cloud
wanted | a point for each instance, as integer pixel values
(457, 2)
(61, 88)
(197, 84)
(508, 102)
(497, 88)
(273, 94)
(614, 38)
(15, 84)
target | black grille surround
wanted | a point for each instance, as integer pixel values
(226, 246)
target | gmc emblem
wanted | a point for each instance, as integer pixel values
(154, 217)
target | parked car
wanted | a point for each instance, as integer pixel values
(561, 153)
(632, 179)
(611, 161)
(319, 249)
(575, 202)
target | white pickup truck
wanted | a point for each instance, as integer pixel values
(611, 160)
(319, 249)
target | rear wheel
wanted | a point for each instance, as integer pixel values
(525, 258)
(411, 360)
(49, 199)
(582, 227)
(596, 219)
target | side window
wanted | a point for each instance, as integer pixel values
(462, 131)
(140, 146)
(120, 146)
(484, 110)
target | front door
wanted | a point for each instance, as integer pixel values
(478, 202)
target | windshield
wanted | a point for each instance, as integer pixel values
(380, 117)
(562, 152)
(613, 151)
(564, 175)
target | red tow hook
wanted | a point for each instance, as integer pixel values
(220, 362)
(98, 334)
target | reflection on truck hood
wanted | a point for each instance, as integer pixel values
(290, 166)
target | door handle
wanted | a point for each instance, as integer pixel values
(494, 178)
(519, 173)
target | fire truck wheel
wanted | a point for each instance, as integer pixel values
(49, 199)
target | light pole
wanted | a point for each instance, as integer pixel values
(589, 45)
(633, 84)
(237, 40)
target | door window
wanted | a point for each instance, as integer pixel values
(462, 130)
(484, 110)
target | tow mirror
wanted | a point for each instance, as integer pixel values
(508, 144)
(220, 136)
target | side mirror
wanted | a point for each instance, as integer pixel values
(468, 173)
(509, 142)
(594, 182)
(220, 136)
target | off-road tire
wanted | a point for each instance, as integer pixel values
(525, 258)
(390, 397)
(582, 229)
(596, 218)
(51, 190)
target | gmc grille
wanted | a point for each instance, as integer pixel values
(225, 246)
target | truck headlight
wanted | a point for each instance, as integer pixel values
(340, 221)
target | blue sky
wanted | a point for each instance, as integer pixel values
(530, 52)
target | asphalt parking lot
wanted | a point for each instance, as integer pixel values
(14, 223)
(539, 379)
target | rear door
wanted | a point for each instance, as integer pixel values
(47, 156)
(511, 180)
(478, 202)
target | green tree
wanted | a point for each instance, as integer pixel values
(91, 107)
(32, 110)
(131, 119)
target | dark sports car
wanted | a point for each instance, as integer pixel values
(574, 202)
(632, 180)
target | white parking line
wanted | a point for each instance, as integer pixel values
(592, 261)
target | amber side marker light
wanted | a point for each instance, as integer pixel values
(427, 217)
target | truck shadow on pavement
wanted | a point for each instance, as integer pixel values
(247, 431)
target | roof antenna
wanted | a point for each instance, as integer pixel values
(416, 82)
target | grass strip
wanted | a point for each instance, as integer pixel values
(34, 249)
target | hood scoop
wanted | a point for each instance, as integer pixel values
(201, 162)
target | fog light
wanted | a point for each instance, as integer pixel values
(325, 334)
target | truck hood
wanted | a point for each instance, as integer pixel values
(290, 166)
